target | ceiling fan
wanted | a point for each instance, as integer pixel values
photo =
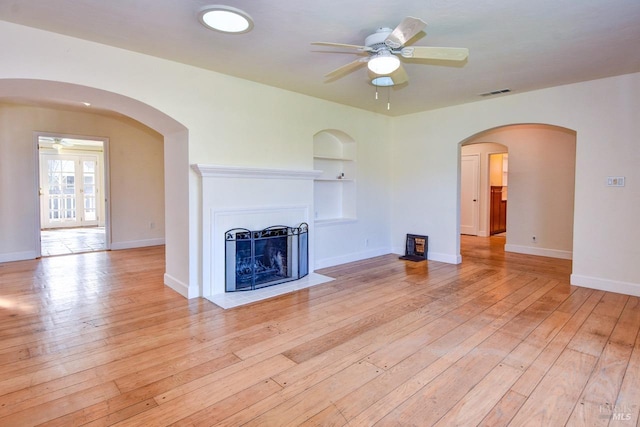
(57, 143)
(384, 46)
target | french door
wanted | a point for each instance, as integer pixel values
(69, 190)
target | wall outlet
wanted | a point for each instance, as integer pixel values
(366, 242)
(152, 225)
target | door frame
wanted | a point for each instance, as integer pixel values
(105, 176)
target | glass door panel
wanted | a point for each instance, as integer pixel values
(69, 188)
(61, 192)
(89, 192)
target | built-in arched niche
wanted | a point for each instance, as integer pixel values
(334, 153)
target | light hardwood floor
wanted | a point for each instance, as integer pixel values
(502, 339)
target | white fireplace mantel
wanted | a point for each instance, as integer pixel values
(251, 198)
(218, 171)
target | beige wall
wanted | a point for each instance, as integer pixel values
(136, 175)
(605, 234)
(541, 186)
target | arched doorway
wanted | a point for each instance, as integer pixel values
(176, 167)
(541, 187)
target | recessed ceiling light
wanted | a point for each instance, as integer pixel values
(225, 19)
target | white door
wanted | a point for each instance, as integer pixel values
(469, 203)
(69, 190)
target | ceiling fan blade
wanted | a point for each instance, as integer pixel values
(347, 46)
(442, 53)
(404, 32)
(348, 67)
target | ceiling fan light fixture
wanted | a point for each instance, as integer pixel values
(382, 81)
(225, 19)
(383, 63)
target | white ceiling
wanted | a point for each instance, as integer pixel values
(518, 44)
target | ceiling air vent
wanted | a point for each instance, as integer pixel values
(495, 92)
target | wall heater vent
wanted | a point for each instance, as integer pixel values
(495, 92)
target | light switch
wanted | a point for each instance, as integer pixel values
(615, 181)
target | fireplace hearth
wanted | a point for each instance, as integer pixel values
(257, 259)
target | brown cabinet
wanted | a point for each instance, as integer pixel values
(498, 213)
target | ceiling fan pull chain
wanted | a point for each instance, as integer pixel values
(388, 98)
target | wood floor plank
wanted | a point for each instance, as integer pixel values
(603, 386)
(174, 404)
(438, 397)
(309, 403)
(328, 417)
(502, 413)
(626, 405)
(406, 378)
(548, 356)
(231, 405)
(56, 408)
(553, 400)
(500, 339)
(477, 404)
(451, 314)
(117, 405)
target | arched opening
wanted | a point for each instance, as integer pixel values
(541, 186)
(74, 97)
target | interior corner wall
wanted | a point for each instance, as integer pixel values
(541, 187)
(605, 233)
(136, 175)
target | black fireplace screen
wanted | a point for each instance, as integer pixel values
(256, 259)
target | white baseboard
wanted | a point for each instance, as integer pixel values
(18, 256)
(447, 258)
(330, 262)
(131, 244)
(181, 287)
(529, 250)
(626, 288)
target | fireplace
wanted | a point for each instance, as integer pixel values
(257, 259)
